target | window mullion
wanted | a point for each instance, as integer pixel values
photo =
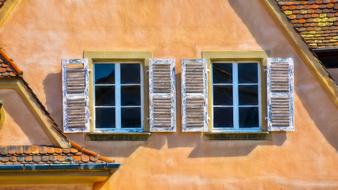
(118, 96)
(259, 96)
(142, 96)
(235, 95)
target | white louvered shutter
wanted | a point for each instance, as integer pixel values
(194, 95)
(280, 86)
(162, 95)
(75, 95)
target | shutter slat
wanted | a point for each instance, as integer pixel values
(194, 95)
(75, 95)
(280, 94)
(162, 95)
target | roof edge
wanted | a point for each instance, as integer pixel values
(308, 57)
(63, 167)
(87, 151)
(37, 109)
(10, 62)
(7, 9)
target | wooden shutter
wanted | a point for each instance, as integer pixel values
(280, 97)
(162, 95)
(75, 95)
(194, 95)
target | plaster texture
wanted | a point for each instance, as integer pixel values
(47, 186)
(20, 126)
(40, 33)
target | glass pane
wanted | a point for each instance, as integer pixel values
(248, 117)
(105, 96)
(104, 73)
(248, 94)
(223, 117)
(222, 73)
(105, 118)
(130, 96)
(222, 95)
(130, 74)
(131, 117)
(248, 73)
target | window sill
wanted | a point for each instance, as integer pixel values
(139, 136)
(262, 135)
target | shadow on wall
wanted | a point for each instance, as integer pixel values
(53, 92)
(325, 122)
(201, 147)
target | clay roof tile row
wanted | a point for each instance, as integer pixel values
(33, 154)
(8, 69)
(315, 20)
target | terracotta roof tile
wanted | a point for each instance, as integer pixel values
(315, 20)
(7, 67)
(32, 154)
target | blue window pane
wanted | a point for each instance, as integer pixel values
(248, 94)
(105, 96)
(248, 73)
(105, 118)
(130, 96)
(222, 73)
(248, 117)
(104, 73)
(131, 117)
(130, 74)
(222, 95)
(223, 117)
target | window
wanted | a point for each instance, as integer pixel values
(118, 96)
(236, 96)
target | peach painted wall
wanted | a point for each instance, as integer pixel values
(41, 32)
(20, 126)
(47, 186)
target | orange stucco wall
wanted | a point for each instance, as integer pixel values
(47, 186)
(41, 32)
(20, 126)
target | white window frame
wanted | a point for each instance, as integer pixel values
(235, 105)
(118, 125)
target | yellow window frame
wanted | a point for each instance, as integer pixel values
(237, 56)
(119, 56)
(2, 114)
